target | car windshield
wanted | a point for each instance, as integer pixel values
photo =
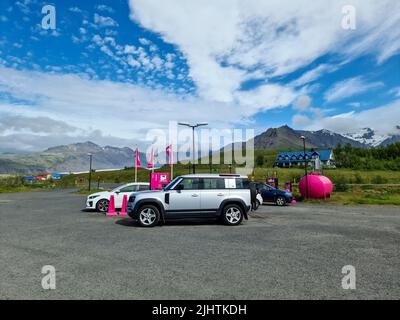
(172, 183)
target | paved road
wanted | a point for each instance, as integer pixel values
(294, 252)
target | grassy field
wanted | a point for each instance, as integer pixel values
(351, 186)
(336, 175)
(367, 195)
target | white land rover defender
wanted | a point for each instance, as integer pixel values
(224, 196)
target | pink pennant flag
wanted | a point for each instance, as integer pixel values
(169, 152)
(150, 165)
(137, 160)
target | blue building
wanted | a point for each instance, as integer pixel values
(56, 176)
(29, 178)
(289, 159)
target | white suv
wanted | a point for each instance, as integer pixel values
(224, 196)
(100, 200)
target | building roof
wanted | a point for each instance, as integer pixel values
(297, 156)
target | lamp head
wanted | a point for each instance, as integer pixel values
(184, 124)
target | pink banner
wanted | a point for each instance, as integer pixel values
(137, 160)
(158, 180)
(150, 165)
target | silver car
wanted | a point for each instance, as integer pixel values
(223, 196)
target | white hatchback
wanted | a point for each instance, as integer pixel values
(100, 200)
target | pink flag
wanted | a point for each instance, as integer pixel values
(150, 165)
(169, 152)
(137, 160)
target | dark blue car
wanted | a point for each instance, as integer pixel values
(271, 194)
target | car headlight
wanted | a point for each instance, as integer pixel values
(93, 197)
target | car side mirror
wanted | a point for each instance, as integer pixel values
(117, 192)
(179, 187)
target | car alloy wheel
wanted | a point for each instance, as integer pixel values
(233, 215)
(148, 216)
(102, 205)
(280, 201)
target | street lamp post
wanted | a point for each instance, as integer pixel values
(210, 160)
(90, 169)
(305, 163)
(193, 126)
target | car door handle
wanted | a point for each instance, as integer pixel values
(220, 194)
(195, 195)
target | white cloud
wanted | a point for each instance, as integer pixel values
(21, 123)
(302, 103)
(144, 42)
(348, 88)
(103, 22)
(395, 91)
(130, 49)
(28, 142)
(133, 63)
(300, 120)
(314, 74)
(107, 51)
(383, 120)
(381, 39)
(354, 104)
(157, 62)
(23, 6)
(75, 9)
(264, 97)
(225, 40)
(97, 39)
(104, 8)
(120, 110)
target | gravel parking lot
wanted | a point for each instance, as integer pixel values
(295, 252)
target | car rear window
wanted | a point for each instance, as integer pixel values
(242, 183)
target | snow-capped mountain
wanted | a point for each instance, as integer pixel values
(328, 139)
(370, 138)
(286, 137)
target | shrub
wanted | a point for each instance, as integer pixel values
(340, 183)
(341, 187)
(358, 178)
(260, 160)
(378, 179)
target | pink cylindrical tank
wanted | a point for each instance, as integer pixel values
(319, 187)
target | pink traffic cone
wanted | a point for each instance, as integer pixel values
(111, 208)
(123, 212)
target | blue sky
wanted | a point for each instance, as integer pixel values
(113, 70)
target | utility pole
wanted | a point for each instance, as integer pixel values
(90, 169)
(305, 164)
